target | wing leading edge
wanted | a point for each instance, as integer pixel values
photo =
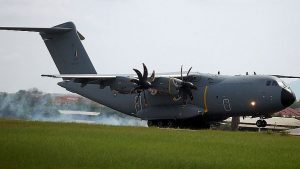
(107, 80)
(99, 76)
(288, 77)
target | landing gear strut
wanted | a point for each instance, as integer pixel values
(151, 123)
(261, 123)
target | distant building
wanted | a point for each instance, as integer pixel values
(67, 99)
(289, 112)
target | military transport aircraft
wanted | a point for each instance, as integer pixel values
(185, 99)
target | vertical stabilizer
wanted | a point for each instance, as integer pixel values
(67, 51)
(64, 44)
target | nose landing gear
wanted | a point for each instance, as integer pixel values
(261, 123)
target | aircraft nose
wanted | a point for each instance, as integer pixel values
(287, 98)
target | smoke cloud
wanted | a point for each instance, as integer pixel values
(38, 106)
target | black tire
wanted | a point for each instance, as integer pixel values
(259, 123)
(170, 123)
(150, 123)
(264, 123)
(160, 124)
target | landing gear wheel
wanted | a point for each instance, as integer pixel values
(150, 123)
(261, 123)
(264, 123)
(170, 124)
(160, 124)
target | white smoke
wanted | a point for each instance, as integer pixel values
(37, 106)
(100, 119)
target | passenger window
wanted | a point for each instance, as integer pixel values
(268, 83)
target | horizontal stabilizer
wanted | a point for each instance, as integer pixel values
(41, 30)
(80, 76)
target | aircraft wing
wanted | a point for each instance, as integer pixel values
(283, 76)
(108, 80)
(107, 76)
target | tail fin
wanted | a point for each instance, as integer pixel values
(65, 47)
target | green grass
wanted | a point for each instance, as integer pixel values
(25, 144)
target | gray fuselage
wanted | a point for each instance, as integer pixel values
(216, 98)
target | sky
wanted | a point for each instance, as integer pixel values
(233, 36)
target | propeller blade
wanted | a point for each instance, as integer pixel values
(189, 71)
(135, 81)
(146, 103)
(191, 86)
(145, 75)
(181, 73)
(175, 83)
(140, 76)
(190, 94)
(152, 77)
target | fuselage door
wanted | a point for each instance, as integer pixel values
(226, 104)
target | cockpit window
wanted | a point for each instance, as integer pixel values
(282, 84)
(274, 83)
(285, 84)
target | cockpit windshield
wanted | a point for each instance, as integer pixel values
(282, 84)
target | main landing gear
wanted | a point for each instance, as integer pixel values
(162, 123)
(182, 124)
(261, 123)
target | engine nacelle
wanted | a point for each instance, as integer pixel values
(167, 85)
(122, 85)
(164, 85)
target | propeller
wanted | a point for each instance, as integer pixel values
(142, 82)
(185, 87)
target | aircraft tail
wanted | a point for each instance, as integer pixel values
(63, 43)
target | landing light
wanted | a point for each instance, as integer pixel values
(253, 103)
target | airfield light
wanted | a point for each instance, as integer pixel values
(253, 103)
